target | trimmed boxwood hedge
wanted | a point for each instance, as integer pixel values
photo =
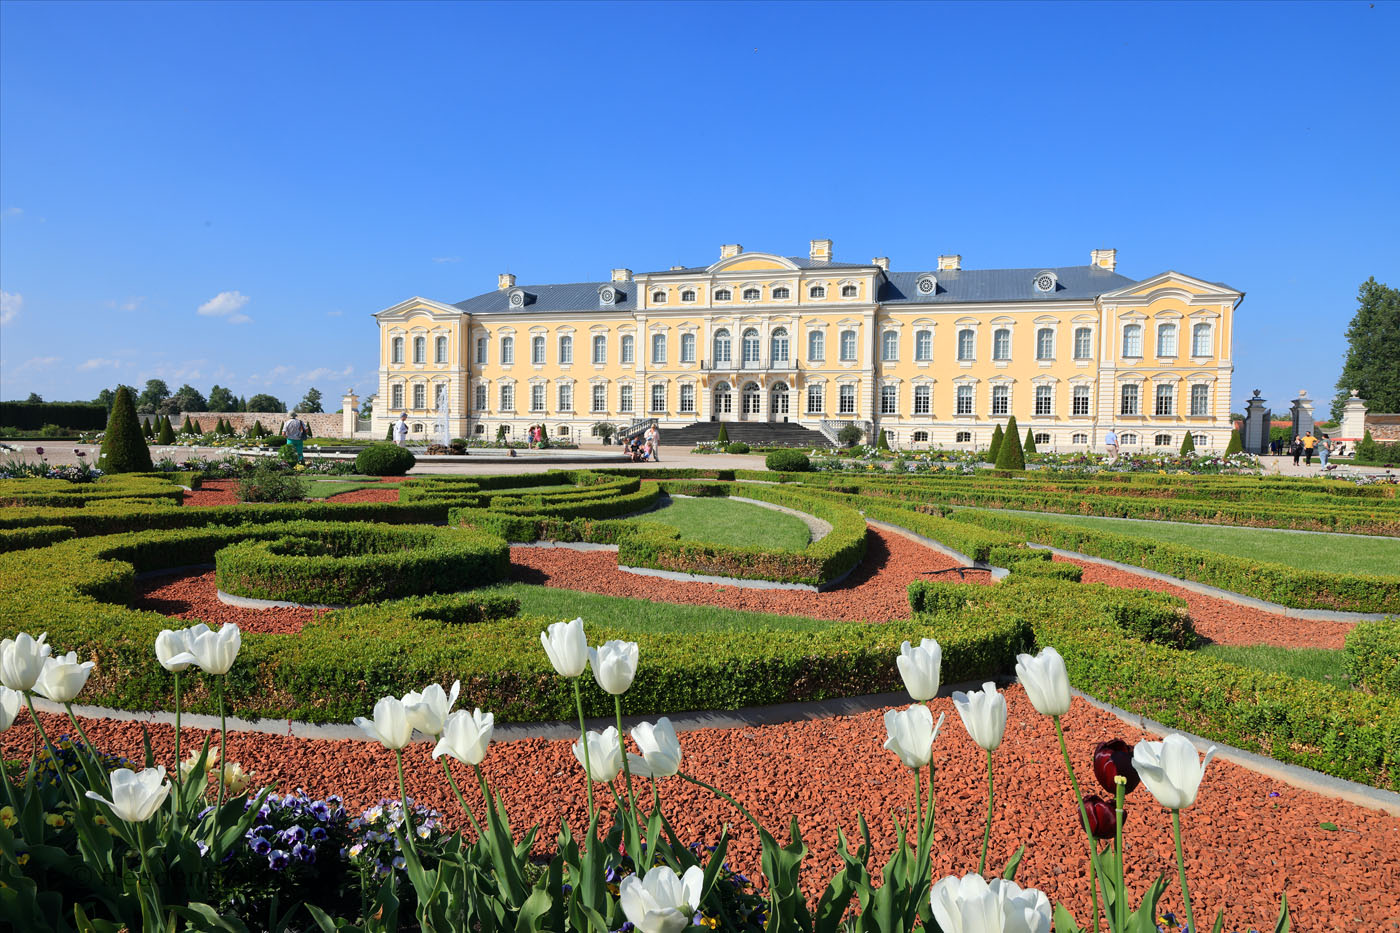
(1373, 656)
(58, 493)
(17, 539)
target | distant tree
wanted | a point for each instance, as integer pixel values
(1188, 444)
(311, 404)
(124, 449)
(156, 391)
(997, 438)
(1011, 456)
(35, 398)
(105, 399)
(1372, 365)
(367, 407)
(221, 399)
(1029, 446)
(190, 399)
(242, 403)
(262, 402)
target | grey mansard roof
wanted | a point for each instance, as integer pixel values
(954, 287)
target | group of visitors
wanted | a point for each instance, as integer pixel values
(645, 446)
(1303, 448)
(535, 435)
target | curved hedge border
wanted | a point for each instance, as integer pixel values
(361, 563)
(59, 493)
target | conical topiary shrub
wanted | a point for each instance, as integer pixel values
(1366, 451)
(1011, 457)
(1188, 445)
(1236, 445)
(544, 437)
(187, 427)
(1029, 446)
(258, 429)
(124, 448)
(167, 432)
(884, 442)
(723, 436)
(997, 438)
(146, 428)
(389, 434)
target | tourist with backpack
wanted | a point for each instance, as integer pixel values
(296, 432)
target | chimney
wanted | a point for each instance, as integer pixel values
(679, 268)
(730, 249)
(622, 275)
(820, 251)
(1104, 258)
(882, 261)
(504, 281)
(950, 263)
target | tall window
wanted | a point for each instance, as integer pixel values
(1132, 340)
(816, 345)
(816, 291)
(600, 398)
(1044, 401)
(780, 345)
(889, 346)
(1083, 343)
(964, 400)
(687, 348)
(753, 405)
(923, 400)
(778, 397)
(658, 348)
(1045, 344)
(1166, 399)
(420, 349)
(848, 346)
(507, 398)
(600, 348)
(723, 350)
(816, 398)
(396, 396)
(566, 397)
(1200, 340)
(481, 352)
(440, 350)
(722, 400)
(752, 294)
(629, 352)
(1081, 401)
(849, 291)
(1001, 344)
(889, 400)
(396, 350)
(537, 350)
(566, 350)
(1001, 400)
(847, 400)
(420, 397)
(688, 399)
(1200, 400)
(923, 345)
(1129, 400)
(658, 396)
(479, 398)
(624, 399)
(537, 398)
(507, 350)
(965, 344)
(751, 347)
(1166, 340)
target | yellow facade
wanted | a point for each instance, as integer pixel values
(1070, 352)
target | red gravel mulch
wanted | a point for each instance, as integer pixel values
(365, 495)
(1248, 838)
(213, 492)
(877, 591)
(194, 597)
(1224, 622)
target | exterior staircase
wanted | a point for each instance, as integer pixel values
(753, 433)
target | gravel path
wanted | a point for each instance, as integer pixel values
(1247, 839)
(194, 596)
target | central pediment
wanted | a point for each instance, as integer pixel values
(750, 262)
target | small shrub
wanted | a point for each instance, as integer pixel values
(850, 435)
(271, 483)
(288, 454)
(788, 461)
(124, 449)
(723, 436)
(1029, 446)
(884, 442)
(1011, 457)
(1188, 445)
(1366, 451)
(1373, 656)
(384, 460)
(738, 447)
(500, 434)
(1236, 445)
(167, 432)
(997, 437)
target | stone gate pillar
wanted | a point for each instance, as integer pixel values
(349, 412)
(1353, 426)
(1302, 414)
(1255, 433)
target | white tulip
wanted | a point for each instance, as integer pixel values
(567, 647)
(214, 652)
(970, 905)
(661, 749)
(136, 796)
(614, 665)
(428, 711)
(921, 668)
(63, 677)
(390, 726)
(911, 734)
(10, 702)
(983, 714)
(466, 736)
(1170, 770)
(22, 660)
(662, 902)
(1045, 680)
(172, 652)
(236, 780)
(604, 754)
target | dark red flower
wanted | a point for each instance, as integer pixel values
(1112, 759)
(1102, 823)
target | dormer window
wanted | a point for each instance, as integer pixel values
(658, 298)
(781, 293)
(849, 291)
(723, 294)
(816, 291)
(752, 294)
(688, 295)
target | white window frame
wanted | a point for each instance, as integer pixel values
(1045, 344)
(658, 297)
(966, 400)
(658, 394)
(440, 350)
(1123, 396)
(566, 350)
(846, 399)
(816, 292)
(1200, 392)
(537, 350)
(816, 398)
(750, 346)
(1201, 335)
(507, 350)
(1083, 339)
(420, 397)
(599, 398)
(923, 346)
(481, 350)
(782, 293)
(853, 354)
(997, 345)
(687, 348)
(1167, 331)
(923, 400)
(629, 350)
(420, 349)
(507, 395)
(479, 396)
(538, 399)
(687, 399)
(723, 346)
(396, 397)
(816, 346)
(626, 399)
(751, 294)
(658, 348)
(967, 345)
(724, 294)
(889, 400)
(600, 349)
(1132, 341)
(1165, 392)
(564, 395)
(1002, 394)
(1044, 401)
(396, 350)
(779, 344)
(1081, 394)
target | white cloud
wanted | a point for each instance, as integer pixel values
(98, 362)
(131, 304)
(40, 362)
(447, 259)
(323, 373)
(334, 313)
(10, 305)
(13, 211)
(226, 305)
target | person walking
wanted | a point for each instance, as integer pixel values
(1324, 448)
(401, 430)
(295, 431)
(1309, 442)
(654, 441)
(1297, 449)
(1110, 442)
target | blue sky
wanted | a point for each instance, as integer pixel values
(226, 192)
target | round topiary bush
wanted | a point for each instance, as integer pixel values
(788, 461)
(384, 460)
(124, 449)
(738, 447)
(850, 435)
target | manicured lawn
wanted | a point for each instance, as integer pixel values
(321, 488)
(1321, 664)
(721, 521)
(1335, 553)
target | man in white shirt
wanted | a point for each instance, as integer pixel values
(401, 430)
(1110, 440)
(295, 431)
(654, 439)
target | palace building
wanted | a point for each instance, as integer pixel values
(935, 357)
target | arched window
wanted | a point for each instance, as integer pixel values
(566, 396)
(849, 291)
(778, 395)
(687, 349)
(1045, 343)
(688, 295)
(537, 349)
(923, 345)
(1128, 440)
(1199, 440)
(537, 397)
(507, 350)
(816, 291)
(566, 350)
(963, 437)
(889, 346)
(396, 350)
(1001, 400)
(816, 345)
(721, 399)
(1079, 439)
(600, 398)
(625, 402)
(752, 294)
(658, 297)
(752, 402)
(1200, 340)
(723, 294)
(816, 398)
(1001, 344)
(658, 348)
(1162, 440)
(846, 399)
(1132, 340)
(1042, 438)
(658, 396)
(966, 346)
(779, 342)
(751, 348)
(923, 400)
(440, 350)
(600, 348)
(964, 400)
(1166, 340)
(1044, 401)
(921, 437)
(479, 397)
(1083, 344)
(629, 352)
(420, 349)
(723, 349)
(396, 396)
(848, 346)
(1166, 400)
(781, 293)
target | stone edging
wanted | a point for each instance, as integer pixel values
(248, 602)
(998, 573)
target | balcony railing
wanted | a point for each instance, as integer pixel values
(749, 366)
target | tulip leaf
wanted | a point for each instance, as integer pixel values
(1064, 921)
(209, 919)
(1010, 873)
(1330, 827)
(1219, 921)
(1285, 920)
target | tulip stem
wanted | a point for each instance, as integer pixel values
(223, 760)
(446, 767)
(719, 793)
(179, 796)
(29, 702)
(626, 768)
(1181, 870)
(1120, 785)
(91, 750)
(918, 811)
(1083, 816)
(987, 833)
(403, 802)
(583, 740)
(655, 797)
